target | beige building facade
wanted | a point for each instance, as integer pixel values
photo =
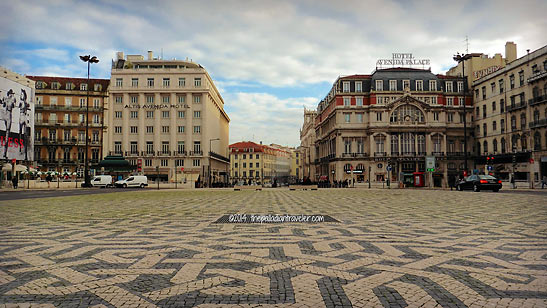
(259, 163)
(307, 145)
(167, 116)
(510, 113)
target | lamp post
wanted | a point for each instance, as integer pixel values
(89, 59)
(210, 151)
(461, 59)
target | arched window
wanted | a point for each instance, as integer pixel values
(514, 143)
(360, 167)
(503, 145)
(485, 146)
(537, 141)
(407, 113)
(347, 167)
(495, 145)
(524, 142)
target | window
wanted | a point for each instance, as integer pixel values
(450, 117)
(165, 99)
(379, 85)
(460, 86)
(134, 82)
(503, 145)
(67, 118)
(419, 85)
(67, 135)
(502, 105)
(181, 99)
(197, 98)
(197, 82)
(521, 78)
(484, 129)
(148, 163)
(378, 116)
(149, 99)
(347, 145)
(96, 102)
(165, 147)
(150, 114)
(53, 101)
(435, 116)
(477, 111)
(485, 146)
(150, 82)
(164, 163)
(346, 101)
(406, 84)
(196, 163)
(461, 101)
(197, 146)
(494, 126)
(181, 114)
(55, 85)
(495, 145)
(502, 125)
(150, 129)
(117, 129)
(449, 87)
(134, 114)
(522, 121)
(180, 147)
(493, 106)
(133, 147)
(134, 99)
(197, 129)
(95, 136)
(97, 87)
(165, 129)
(493, 86)
(484, 111)
(345, 86)
(118, 114)
(359, 117)
(433, 85)
(180, 129)
(513, 123)
(150, 147)
(182, 82)
(346, 117)
(512, 81)
(258, 165)
(477, 94)
(166, 82)
(462, 118)
(483, 91)
(393, 85)
(197, 114)
(133, 129)
(359, 101)
(118, 147)
(358, 86)
(119, 82)
(434, 100)
(500, 82)
(407, 113)
(450, 101)
(380, 140)
(165, 114)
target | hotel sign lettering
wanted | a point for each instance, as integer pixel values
(481, 73)
(402, 59)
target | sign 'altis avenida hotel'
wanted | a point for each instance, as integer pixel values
(402, 59)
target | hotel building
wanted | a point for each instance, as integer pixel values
(167, 116)
(394, 117)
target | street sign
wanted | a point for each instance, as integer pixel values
(430, 163)
(388, 168)
(489, 167)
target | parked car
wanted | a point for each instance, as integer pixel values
(133, 181)
(480, 182)
(100, 181)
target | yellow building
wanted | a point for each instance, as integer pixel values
(258, 163)
(307, 145)
(510, 115)
(167, 115)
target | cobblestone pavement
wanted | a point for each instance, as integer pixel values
(391, 248)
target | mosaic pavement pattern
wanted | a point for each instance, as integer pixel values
(392, 248)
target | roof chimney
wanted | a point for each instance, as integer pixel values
(150, 55)
(119, 55)
(510, 52)
(260, 142)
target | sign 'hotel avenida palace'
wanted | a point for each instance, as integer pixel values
(396, 117)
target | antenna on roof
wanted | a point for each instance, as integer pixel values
(466, 45)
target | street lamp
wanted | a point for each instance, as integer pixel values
(461, 59)
(210, 152)
(89, 59)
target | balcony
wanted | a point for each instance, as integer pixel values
(456, 154)
(195, 153)
(538, 123)
(354, 155)
(537, 100)
(147, 153)
(180, 153)
(517, 106)
(163, 153)
(131, 153)
(380, 154)
(68, 108)
(538, 75)
(437, 154)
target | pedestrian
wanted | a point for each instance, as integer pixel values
(48, 180)
(544, 181)
(15, 181)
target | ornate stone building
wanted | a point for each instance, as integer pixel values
(394, 117)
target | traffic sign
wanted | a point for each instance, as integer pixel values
(388, 168)
(430, 162)
(489, 167)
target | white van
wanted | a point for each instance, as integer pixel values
(102, 181)
(133, 181)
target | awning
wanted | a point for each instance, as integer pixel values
(18, 168)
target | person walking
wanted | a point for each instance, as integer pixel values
(544, 181)
(15, 181)
(48, 180)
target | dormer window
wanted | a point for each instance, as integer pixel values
(449, 87)
(69, 86)
(98, 87)
(393, 85)
(433, 85)
(40, 85)
(406, 84)
(419, 85)
(83, 87)
(379, 85)
(55, 85)
(345, 86)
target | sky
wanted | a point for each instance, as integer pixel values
(269, 59)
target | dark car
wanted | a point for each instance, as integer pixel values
(479, 182)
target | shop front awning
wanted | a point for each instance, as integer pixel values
(115, 164)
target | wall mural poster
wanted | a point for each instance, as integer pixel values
(16, 121)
